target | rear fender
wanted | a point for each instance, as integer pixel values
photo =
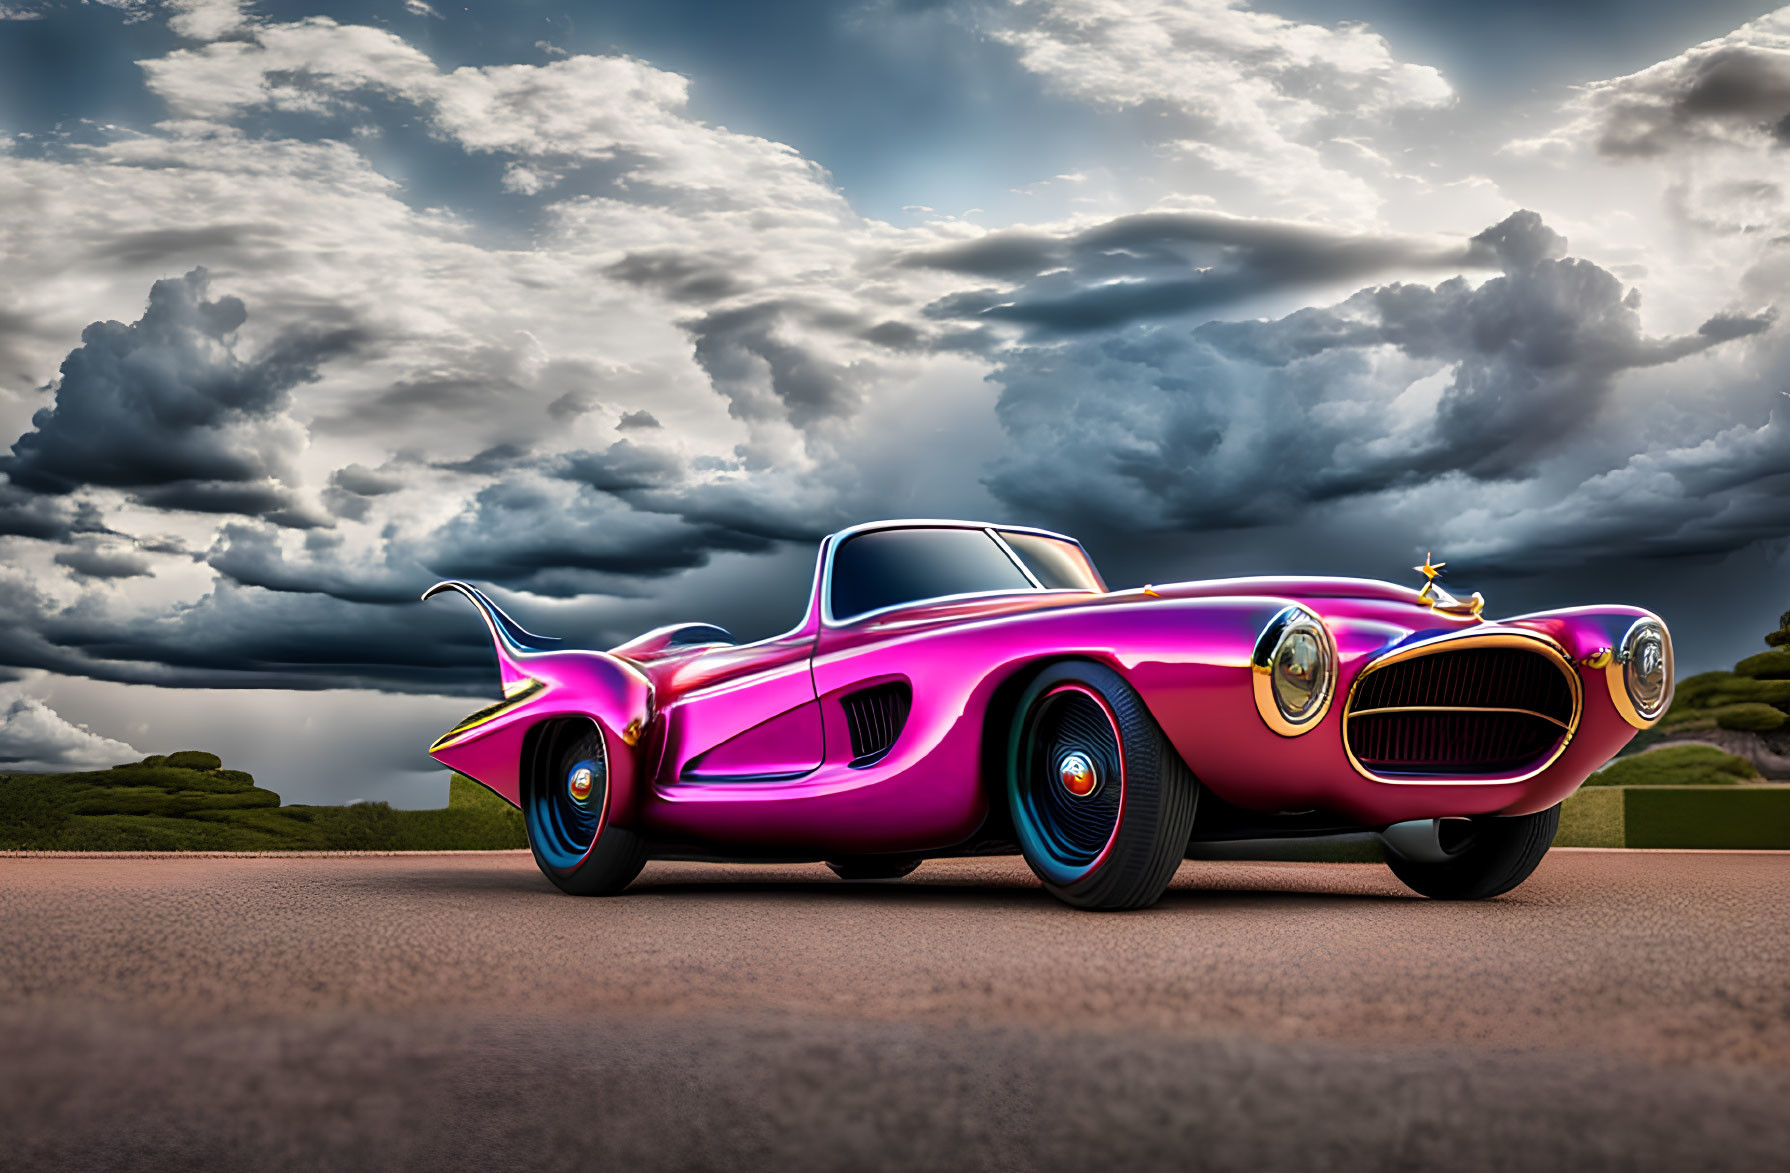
(541, 685)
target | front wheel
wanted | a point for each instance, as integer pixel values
(1102, 804)
(1488, 857)
(565, 807)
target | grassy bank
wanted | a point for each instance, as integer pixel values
(188, 802)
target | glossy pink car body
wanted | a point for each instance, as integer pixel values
(725, 751)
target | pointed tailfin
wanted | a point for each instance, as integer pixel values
(514, 643)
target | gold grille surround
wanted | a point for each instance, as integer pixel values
(1440, 645)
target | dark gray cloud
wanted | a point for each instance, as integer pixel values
(448, 392)
(29, 515)
(251, 556)
(1697, 499)
(1245, 423)
(266, 498)
(490, 461)
(638, 419)
(157, 245)
(1724, 91)
(93, 561)
(623, 466)
(484, 381)
(766, 375)
(524, 536)
(680, 276)
(366, 482)
(352, 488)
(166, 409)
(247, 637)
(18, 330)
(1729, 325)
(1158, 265)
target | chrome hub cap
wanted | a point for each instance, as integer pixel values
(1077, 774)
(580, 784)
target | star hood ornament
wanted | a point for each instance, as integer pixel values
(1439, 599)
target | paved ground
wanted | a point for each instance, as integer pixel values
(1620, 1011)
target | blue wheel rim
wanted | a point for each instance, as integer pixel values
(564, 810)
(1064, 834)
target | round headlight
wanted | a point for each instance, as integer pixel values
(1294, 671)
(1641, 674)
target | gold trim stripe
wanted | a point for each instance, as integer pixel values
(1457, 709)
(515, 698)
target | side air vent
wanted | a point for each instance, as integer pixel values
(874, 717)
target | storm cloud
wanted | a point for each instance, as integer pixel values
(1243, 423)
(765, 375)
(166, 408)
(1160, 265)
(92, 560)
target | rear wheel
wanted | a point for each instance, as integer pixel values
(1487, 857)
(873, 867)
(1102, 804)
(565, 806)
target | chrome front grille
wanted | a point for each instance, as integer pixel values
(1463, 708)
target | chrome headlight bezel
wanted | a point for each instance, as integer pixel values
(1645, 647)
(1292, 626)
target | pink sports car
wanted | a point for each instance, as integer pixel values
(966, 689)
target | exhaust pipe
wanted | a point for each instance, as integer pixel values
(1418, 840)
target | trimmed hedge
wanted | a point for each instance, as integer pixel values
(1688, 816)
(1712, 817)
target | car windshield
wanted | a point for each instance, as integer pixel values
(886, 568)
(1058, 564)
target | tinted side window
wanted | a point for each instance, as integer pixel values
(1058, 565)
(884, 568)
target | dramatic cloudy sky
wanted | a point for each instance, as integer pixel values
(619, 307)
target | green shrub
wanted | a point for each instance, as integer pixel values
(365, 826)
(1676, 765)
(1693, 692)
(194, 759)
(1749, 718)
(144, 800)
(464, 792)
(1697, 696)
(1772, 665)
(154, 759)
(32, 811)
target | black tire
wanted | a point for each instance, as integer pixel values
(1494, 856)
(873, 867)
(572, 840)
(1118, 845)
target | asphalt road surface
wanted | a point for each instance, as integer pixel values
(1619, 1011)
